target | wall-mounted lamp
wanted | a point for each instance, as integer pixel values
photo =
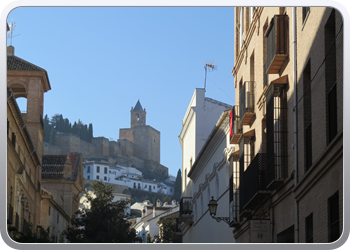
(23, 199)
(212, 210)
(26, 208)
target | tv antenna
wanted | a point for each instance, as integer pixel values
(12, 28)
(211, 68)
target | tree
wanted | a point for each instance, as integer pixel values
(105, 222)
(167, 230)
(177, 188)
(43, 236)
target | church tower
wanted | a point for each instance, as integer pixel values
(138, 115)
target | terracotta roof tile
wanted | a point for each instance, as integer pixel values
(16, 63)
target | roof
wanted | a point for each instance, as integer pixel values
(53, 165)
(138, 106)
(217, 102)
(16, 63)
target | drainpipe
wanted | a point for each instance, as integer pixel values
(296, 175)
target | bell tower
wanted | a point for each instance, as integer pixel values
(138, 115)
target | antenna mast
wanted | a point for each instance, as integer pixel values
(211, 67)
(12, 28)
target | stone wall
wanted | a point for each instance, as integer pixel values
(147, 143)
(119, 152)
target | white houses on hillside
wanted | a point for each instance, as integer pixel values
(126, 176)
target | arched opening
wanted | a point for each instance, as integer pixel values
(22, 104)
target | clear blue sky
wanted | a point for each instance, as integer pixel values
(100, 61)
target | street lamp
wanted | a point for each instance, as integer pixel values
(212, 210)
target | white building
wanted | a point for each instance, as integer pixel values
(86, 205)
(209, 176)
(126, 176)
(147, 224)
(204, 138)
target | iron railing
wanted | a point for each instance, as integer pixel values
(276, 39)
(25, 226)
(252, 180)
(276, 135)
(10, 214)
(186, 207)
(236, 128)
(246, 99)
(17, 222)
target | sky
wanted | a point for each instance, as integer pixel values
(101, 60)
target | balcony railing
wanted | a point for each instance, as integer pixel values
(25, 226)
(252, 188)
(246, 103)
(186, 206)
(236, 128)
(17, 222)
(276, 43)
(276, 135)
(10, 214)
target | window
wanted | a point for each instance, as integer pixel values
(138, 185)
(307, 116)
(97, 177)
(98, 169)
(14, 140)
(105, 178)
(134, 185)
(333, 218)
(154, 187)
(106, 170)
(88, 177)
(88, 169)
(145, 186)
(309, 231)
(331, 77)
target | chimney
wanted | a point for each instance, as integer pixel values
(10, 50)
(67, 168)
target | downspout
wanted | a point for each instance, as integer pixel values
(296, 174)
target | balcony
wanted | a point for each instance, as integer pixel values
(14, 227)
(276, 135)
(235, 125)
(276, 43)
(186, 210)
(246, 103)
(252, 188)
(25, 229)
(10, 214)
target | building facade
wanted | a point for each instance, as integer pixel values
(203, 141)
(199, 120)
(24, 142)
(62, 177)
(287, 123)
(209, 176)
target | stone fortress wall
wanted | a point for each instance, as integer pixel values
(114, 152)
(137, 146)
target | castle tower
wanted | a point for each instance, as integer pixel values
(31, 82)
(138, 115)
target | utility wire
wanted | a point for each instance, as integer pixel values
(324, 60)
(220, 88)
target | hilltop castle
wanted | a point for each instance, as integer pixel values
(137, 146)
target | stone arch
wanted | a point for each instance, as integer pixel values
(19, 88)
